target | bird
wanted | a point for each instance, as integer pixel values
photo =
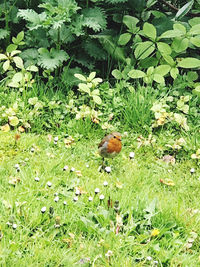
(110, 146)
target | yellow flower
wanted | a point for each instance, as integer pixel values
(155, 232)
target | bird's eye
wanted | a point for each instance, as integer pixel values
(114, 136)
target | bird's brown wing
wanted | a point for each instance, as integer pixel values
(105, 139)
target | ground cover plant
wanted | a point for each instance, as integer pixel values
(144, 214)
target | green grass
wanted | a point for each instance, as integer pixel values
(88, 229)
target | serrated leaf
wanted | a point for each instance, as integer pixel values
(80, 77)
(97, 99)
(184, 10)
(11, 48)
(124, 38)
(6, 65)
(131, 23)
(150, 31)
(164, 48)
(13, 121)
(94, 18)
(3, 34)
(144, 49)
(189, 62)
(117, 74)
(162, 69)
(159, 78)
(35, 20)
(18, 62)
(135, 74)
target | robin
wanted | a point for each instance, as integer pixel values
(110, 145)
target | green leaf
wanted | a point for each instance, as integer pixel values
(196, 91)
(184, 10)
(162, 70)
(20, 36)
(144, 49)
(124, 38)
(94, 18)
(91, 76)
(159, 78)
(95, 92)
(150, 31)
(2, 57)
(179, 27)
(18, 62)
(195, 30)
(97, 99)
(180, 44)
(11, 48)
(174, 73)
(17, 77)
(84, 88)
(6, 65)
(14, 84)
(164, 48)
(189, 62)
(117, 74)
(131, 23)
(15, 52)
(80, 77)
(192, 76)
(195, 41)
(135, 74)
(194, 21)
(32, 68)
(3, 34)
(171, 34)
(13, 121)
(169, 60)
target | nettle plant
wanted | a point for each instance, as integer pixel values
(15, 75)
(88, 102)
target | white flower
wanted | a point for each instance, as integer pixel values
(75, 199)
(90, 199)
(77, 192)
(55, 142)
(65, 168)
(149, 258)
(56, 198)
(101, 197)
(87, 166)
(32, 149)
(43, 209)
(56, 139)
(108, 169)
(109, 253)
(96, 190)
(14, 225)
(37, 179)
(105, 183)
(131, 155)
(72, 169)
(55, 194)
(192, 170)
(17, 166)
(64, 203)
(49, 184)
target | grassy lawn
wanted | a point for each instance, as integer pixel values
(155, 224)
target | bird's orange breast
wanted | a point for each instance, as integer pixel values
(114, 145)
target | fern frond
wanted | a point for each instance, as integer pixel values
(94, 18)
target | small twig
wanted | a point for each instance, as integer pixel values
(169, 5)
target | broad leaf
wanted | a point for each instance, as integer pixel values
(196, 91)
(13, 121)
(84, 88)
(169, 60)
(164, 48)
(135, 74)
(179, 27)
(6, 65)
(32, 68)
(189, 62)
(2, 57)
(144, 49)
(149, 30)
(117, 74)
(11, 48)
(171, 34)
(18, 62)
(131, 23)
(162, 70)
(124, 38)
(195, 29)
(91, 76)
(17, 77)
(195, 41)
(80, 77)
(97, 99)
(174, 73)
(180, 44)
(158, 78)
